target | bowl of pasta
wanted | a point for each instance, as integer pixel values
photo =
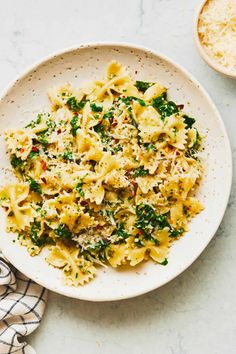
(111, 161)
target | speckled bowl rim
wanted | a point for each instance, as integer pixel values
(227, 188)
(210, 61)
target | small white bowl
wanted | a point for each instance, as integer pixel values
(210, 61)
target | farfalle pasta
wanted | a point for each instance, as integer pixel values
(107, 177)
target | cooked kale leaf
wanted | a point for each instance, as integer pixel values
(148, 220)
(149, 147)
(143, 86)
(63, 232)
(140, 172)
(35, 186)
(164, 107)
(189, 121)
(16, 161)
(96, 108)
(36, 237)
(128, 99)
(74, 125)
(79, 188)
(74, 105)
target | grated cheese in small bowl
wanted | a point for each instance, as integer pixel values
(216, 32)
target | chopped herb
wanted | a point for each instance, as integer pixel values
(164, 107)
(33, 123)
(120, 232)
(127, 100)
(37, 238)
(117, 148)
(192, 152)
(34, 234)
(140, 172)
(143, 86)
(96, 108)
(16, 161)
(63, 232)
(79, 188)
(74, 125)
(150, 147)
(175, 232)
(33, 153)
(148, 220)
(197, 143)
(74, 105)
(154, 240)
(39, 118)
(43, 213)
(98, 246)
(100, 129)
(108, 115)
(189, 121)
(51, 124)
(141, 102)
(165, 262)
(82, 103)
(109, 215)
(42, 140)
(35, 186)
(68, 156)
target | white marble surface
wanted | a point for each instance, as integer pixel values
(196, 312)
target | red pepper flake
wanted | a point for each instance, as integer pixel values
(59, 131)
(98, 227)
(180, 106)
(84, 203)
(22, 150)
(114, 124)
(35, 149)
(116, 141)
(139, 232)
(44, 165)
(135, 187)
(44, 180)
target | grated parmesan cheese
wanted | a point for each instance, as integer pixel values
(217, 31)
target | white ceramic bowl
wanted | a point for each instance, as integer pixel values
(27, 96)
(208, 59)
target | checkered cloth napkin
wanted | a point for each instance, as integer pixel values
(22, 304)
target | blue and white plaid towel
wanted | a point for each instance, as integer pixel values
(22, 304)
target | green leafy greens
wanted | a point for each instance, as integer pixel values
(74, 105)
(143, 86)
(35, 186)
(140, 172)
(96, 108)
(16, 161)
(189, 121)
(164, 107)
(79, 188)
(63, 232)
